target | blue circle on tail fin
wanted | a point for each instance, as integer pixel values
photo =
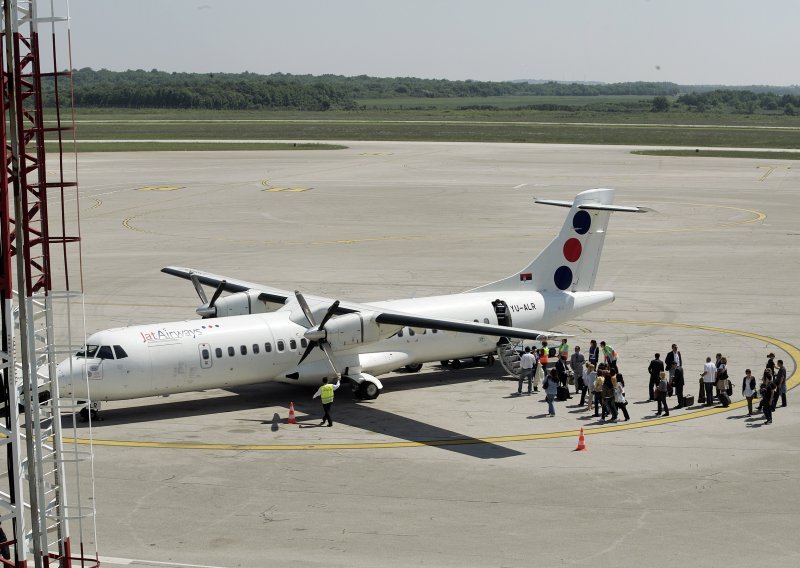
(581, 222)
(563, 277)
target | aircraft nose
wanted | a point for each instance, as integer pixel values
(70, 374)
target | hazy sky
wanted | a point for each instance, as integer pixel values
(733, 42)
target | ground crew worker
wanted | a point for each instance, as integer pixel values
(543, 357)
(326, 393)
(563, 349)
(527, 369)
(610, 355)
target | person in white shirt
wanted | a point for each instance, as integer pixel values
(709, 378)
(749, 390)
(527, 364)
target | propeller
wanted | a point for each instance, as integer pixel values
(316, 334)
(207, 309)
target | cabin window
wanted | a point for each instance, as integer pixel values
(424, 331)
(231, 351)
(218, 352)
(205, 354)
(292, 344)
(243, 349)
(281, 345)
(485, 320)
(105, 352)
(400, 333)
(267, 347)
(411, 332)
(434, 331)
(119, 352)
(255, 349)
(303, 343)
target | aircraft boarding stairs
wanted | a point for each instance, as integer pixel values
(508, 353)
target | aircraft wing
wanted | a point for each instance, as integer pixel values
(266, 293)
(411, 320)
(388, 317)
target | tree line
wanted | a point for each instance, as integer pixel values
(250, 91)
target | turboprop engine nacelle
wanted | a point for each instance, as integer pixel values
(239, 304)
(355, 329)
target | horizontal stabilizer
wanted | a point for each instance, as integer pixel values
(592, 206)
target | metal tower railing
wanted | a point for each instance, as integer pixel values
(41, 233)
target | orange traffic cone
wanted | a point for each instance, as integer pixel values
(581, 443)
(291, 419)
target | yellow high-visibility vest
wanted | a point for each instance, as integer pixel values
(327, 394)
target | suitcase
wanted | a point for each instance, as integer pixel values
(688, 401)
(562, 393)
(724, 399)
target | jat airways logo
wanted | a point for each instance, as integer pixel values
(170, 335)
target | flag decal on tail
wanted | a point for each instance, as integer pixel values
(526, 276)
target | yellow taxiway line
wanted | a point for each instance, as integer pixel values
(792, 382)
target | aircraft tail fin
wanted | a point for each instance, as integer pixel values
(571, 260)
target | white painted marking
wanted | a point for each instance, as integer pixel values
(520, 186)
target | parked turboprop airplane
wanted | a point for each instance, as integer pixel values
(258, 334)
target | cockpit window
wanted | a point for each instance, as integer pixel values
(90, 351)
(105, 352)
(119, 352)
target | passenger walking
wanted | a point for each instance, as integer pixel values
(722, 374)
(527, 363)
(576, 362)
(749, 390)
(767, 393)
(326, 394)
(619, 396)
(597, 394)
(594, 353)
(709, 375)
(551, 389)
(589, 377)
(673, 358)
(771, 363)
(607, 390)
(655, 369)
(661, 394)
(561, 371)
(780, 386)
(678, 382)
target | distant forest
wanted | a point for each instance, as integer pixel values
(249, 91)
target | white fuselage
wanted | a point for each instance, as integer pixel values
(160, 359)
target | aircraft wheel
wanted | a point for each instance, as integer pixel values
(489, 360)
(444, 363)
(414, 368)
(457, 364)
(83, 415)
(476, 360)
(368, 390)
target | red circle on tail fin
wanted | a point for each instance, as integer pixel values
(572, 249)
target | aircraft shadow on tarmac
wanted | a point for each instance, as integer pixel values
(364, 415)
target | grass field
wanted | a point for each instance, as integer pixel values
(442, 124)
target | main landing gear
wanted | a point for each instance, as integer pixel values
(92, 410)
(365, 387)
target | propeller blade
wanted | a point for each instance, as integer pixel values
(217, 293)
(332, 309)
(304, 306)
(325, 347)
(309, 349)
(198, 287)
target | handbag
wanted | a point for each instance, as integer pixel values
(729, 388)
